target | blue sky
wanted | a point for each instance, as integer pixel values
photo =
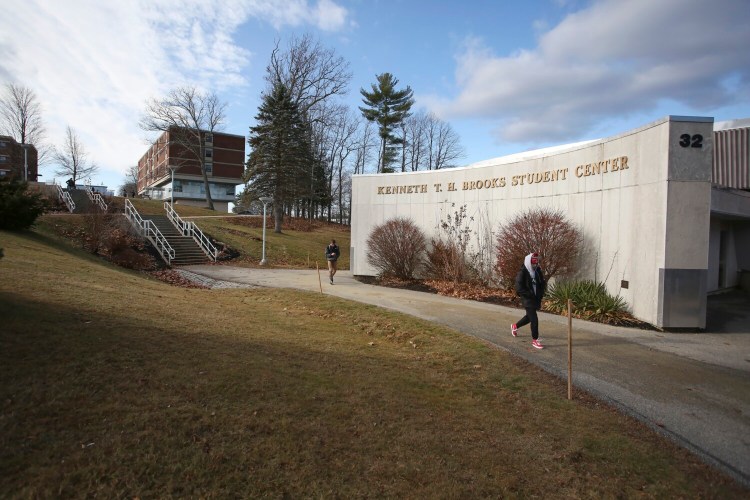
(508, 76)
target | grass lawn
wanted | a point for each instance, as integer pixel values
(115, 385)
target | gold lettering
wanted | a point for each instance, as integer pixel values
(615, 166)
(623, 163)
(410, 190)
(437, 187)
(423, 188)
(538, 177)
(547, 176)
(502, 182)
(514, 181)
(451, 186)
(606, 164)
(380, 189)
(466, 185)
(579, 171)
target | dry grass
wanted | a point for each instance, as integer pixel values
(296, 247)
(114, 385)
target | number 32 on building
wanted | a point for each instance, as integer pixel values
(693, 141)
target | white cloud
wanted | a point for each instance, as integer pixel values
(611, 58)
(93, 64)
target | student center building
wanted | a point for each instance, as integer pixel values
(664, 209)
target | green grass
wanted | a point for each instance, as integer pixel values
(297, 246)
(115, 385)
(290, 249)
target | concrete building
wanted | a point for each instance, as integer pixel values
(659, 231)
(225, 162)
(18, 160)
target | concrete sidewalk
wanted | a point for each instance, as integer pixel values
(694, 388)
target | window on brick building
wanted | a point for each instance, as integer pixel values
(4, 159)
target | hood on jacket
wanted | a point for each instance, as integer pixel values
(527, 263)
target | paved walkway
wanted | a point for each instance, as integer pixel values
(694, 388)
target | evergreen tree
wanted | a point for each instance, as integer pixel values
(279, 161)
(387, 107)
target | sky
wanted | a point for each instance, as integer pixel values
(508, 76)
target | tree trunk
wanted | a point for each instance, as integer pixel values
(278, 216)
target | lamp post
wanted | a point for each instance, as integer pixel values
(172, 168)
(265, 200)
(25, 161)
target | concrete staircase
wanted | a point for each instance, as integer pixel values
(82, 201)
(187, 251)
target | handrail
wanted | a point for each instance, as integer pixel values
(148, 229)
(65, 198)
(190, 229)
(96, 198)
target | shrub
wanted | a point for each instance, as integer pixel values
(19, 207)
(396, 248)
(447, 258)
(541, 230)
(591, 301)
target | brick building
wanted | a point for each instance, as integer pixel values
(16, 162)
(225, 162)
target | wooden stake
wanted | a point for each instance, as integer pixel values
(320, 283)
(570, 349)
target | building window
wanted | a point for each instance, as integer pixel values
(230, 190)
(209, 167)
(4, 159)
(177, 186)
(209, 153)
(3, 144)
(209, 138)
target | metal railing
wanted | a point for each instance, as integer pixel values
(190, 229)
(149, 230)
(96, 198)
(65, 198)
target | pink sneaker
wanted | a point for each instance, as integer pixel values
(537, 343)
(514, 330)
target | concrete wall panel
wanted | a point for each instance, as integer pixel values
(639, 198)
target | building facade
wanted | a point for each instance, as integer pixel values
(658, 231)
(224, 159)
(18, 160)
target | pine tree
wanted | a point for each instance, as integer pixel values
(279, 161)
(387, 107)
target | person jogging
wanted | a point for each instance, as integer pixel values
(530, 286)
(332, 256)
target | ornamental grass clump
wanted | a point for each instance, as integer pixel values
(591, 301)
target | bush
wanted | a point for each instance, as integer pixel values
(541, 230)
(19, 207)
(396, 248)
(591, 301)
(447, 258)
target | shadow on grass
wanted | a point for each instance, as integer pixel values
(120, 404)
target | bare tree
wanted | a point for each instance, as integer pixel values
(187, 114)
(314, 75)
(365, 143)
(21, 118)
(443, 144)
(72, 159)
(130, 185)
(311, 72)
(415, 137)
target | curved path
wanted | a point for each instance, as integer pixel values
(694, 388)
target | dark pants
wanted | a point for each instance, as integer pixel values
(530, 318)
